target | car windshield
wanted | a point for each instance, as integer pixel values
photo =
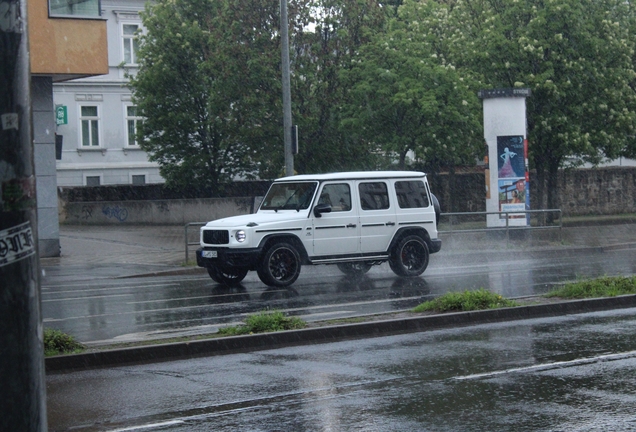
(289, 196)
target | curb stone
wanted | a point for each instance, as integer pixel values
(336, 333)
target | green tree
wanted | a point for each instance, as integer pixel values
(340, 27)
(577, 58)
(405, 97)
(209, 88)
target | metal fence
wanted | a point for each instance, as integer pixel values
(189, 241)
(452, 223)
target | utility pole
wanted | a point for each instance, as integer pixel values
(287, 116)
(23, 406)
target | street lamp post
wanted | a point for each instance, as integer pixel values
(287, 116)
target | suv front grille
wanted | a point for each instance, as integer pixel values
(216, 237)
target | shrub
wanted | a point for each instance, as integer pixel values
(601, 287)
(465, 301)
(57, 342)
(264, 322)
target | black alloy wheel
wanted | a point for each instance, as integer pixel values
(280, 266)
(409, 257)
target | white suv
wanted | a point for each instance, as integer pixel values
(351, 219)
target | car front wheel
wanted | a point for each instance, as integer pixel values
(280, 266)
(409, 257)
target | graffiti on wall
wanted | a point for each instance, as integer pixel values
(87, 212)
(115, 212)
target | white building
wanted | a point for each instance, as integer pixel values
(98, 144)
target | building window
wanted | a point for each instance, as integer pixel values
(93, 180)
(138, 179)
(89, 119)
(76, 8)
(133, 121)
(131, 43)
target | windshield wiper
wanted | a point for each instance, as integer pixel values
(286, 202)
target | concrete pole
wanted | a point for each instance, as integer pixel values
(23, 406)
(287, 116)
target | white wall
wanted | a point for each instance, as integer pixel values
(113, 161)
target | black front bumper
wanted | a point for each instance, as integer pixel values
(436, 245)
(230, 258)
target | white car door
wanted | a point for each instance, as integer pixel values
(377, 216)
(338, 232)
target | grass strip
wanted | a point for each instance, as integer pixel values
(57, 342)
(264, 322)
(601, 287)
(465, 301)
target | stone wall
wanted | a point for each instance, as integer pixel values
(154, 212)
(597, 191)
(601, 191)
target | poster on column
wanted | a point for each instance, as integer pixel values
(512, 177)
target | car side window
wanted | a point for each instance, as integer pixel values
(373, 196)
(411, 194)
(338, 196)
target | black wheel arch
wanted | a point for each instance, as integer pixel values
(269, 240)
(402, 232)
(436, 206)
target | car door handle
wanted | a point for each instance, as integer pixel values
(390, 223)
(351, 225)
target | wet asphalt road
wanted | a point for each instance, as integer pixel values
(573, 373)
(89, 302)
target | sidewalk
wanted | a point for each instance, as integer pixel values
(162, 247)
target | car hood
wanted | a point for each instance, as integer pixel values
(257, 218)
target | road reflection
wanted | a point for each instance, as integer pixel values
(221, 294)
(272, 293)
(101, 309)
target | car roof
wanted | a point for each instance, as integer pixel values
(353, 175)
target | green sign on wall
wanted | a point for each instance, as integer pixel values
(61, 116)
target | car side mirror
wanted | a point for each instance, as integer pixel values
(320, 209)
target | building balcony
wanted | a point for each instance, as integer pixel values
(67, 39)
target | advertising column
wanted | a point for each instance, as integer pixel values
(507, 179)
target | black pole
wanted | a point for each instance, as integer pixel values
(22, 393)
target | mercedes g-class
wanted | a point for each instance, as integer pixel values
(352, 219)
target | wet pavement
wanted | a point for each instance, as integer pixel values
(93, 291)
(128, 250)
(118, 250)
(562, 373)
(569, 373)
(104, 311)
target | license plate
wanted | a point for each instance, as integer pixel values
(208, 254)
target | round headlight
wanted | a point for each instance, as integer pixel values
(240, 236)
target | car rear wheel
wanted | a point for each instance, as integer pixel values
(409, 257)
(354, 268)
(280, 266)
(227, 276)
